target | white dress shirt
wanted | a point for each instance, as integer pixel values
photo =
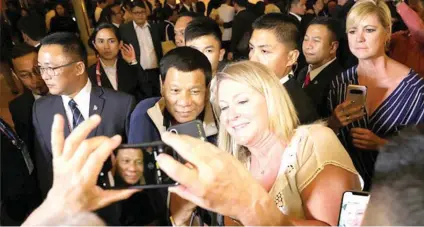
(297, 16)
(148, 58)
(83, 103)
(111, 73)
(36, 96)
(286, 78)
(226, 13)
(314, 73)
(116, 25)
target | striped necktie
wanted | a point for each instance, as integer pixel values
(76, 114)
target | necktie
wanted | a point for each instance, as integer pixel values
(76, 114)
(307, 80)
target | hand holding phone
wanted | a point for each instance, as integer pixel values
(192, 128)
(353, 208)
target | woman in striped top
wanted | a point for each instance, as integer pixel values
(395, 95)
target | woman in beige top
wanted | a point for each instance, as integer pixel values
(305, 169)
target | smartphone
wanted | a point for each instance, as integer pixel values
(353, 208)
(357, 93)
(132, 170)
(192, 128)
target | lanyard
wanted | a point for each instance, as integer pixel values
(7, 131)
(99, 74)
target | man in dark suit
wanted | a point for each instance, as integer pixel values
(19, 192)
(116, 67)
(62, 62)
(274, 43)
(146, 39)
(242, 28)
(24, 61)
(320, 47)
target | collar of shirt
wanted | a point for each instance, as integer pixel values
(314, 73)
(108, 67)
(116, 25)
(169, 22)
(172, 7)
(297, 16)
(83, 102)
(286, 77)
(186, 6)
(240, 11)
(37, 45)
(144, 26)
(36, 96)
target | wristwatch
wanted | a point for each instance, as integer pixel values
(133, 62)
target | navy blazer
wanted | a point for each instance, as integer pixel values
(319, 87)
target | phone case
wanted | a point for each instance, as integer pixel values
(193, 128)
(357, 93)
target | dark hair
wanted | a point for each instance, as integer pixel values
(107, 13)
(33, 27)
(242, 3)
(189, 14)
(201, 8)
(398, 175)
(100, 27)
(259, 8)
(331, 24)
(70, 44)
(283, 26)
(202, 26)
(21, 50)
(186, 59)
(137, 3)
(101, 1)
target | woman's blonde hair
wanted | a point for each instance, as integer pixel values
(282, 115)
(365, 8)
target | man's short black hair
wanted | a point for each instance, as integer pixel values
(101, 1)
(202, 26)
(189, 14)
(397, 194)
(21, 50)
(107, 13)
(33, 27)
(242, 3)
(137, 3)
(186, 59)
(100, 27)
(284, 27)
(331, 24)
(70, 44)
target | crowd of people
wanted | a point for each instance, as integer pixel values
(269, 82)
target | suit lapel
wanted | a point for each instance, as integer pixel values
(59, 109)
(96, 105)
(105, 80)
(134, 40)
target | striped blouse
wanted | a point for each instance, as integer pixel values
(403, 107)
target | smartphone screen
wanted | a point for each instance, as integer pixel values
(131, 170)
(353, 208)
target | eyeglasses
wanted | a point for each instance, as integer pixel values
(51, 71)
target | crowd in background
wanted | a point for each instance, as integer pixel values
(268, 81)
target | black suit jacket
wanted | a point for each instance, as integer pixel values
(242, 25)
(305, 109)
(21, 110)
(318, 88)
(131, 79)
(114, 108)
(129, 36)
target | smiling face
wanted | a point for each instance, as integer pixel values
(367, 38)
(130, 165)
(107, 44)
(185, 94)
(236, 102)
(210, 47)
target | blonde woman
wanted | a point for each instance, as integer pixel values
(305, 169)
(395, 96)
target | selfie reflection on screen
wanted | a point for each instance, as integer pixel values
(130, 167)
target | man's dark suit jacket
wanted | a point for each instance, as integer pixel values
(114, 108)
(131, 79)
(129, 36)
(242, 25)
(21, 110)
(304, 107)
(318, 88)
